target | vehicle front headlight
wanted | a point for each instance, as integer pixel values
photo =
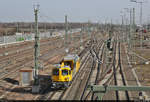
(66, 78)
(54, 84)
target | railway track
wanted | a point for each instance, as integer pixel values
(114, 71)
(25, 59)
(81, 83)
(96, 72)
(46, 63)
(118, 76)
(55, 95)
(122, 73)
(12, 47)
(15, 75)
(71, 92)
(119, 67)
(22, 52)
(59, 95)
(26, 55)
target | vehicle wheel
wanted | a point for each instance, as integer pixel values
(66, 85)
(69, 83)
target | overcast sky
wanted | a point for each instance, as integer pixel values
(77, 10)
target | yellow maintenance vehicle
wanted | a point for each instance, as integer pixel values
(63, 73)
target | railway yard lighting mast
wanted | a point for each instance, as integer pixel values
(89, 29)
(66, 34)
(17, 27)
(133, 31)
(141, 3)
(111, 30)
(31, 28)
(81, 39)
(70, 32)
(128, 35)
(126, 23)
(122, 26)
(37, 45)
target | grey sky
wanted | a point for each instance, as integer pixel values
(77, 10)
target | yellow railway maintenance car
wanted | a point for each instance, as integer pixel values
(64, 72)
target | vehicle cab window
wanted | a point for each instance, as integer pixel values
(69, 71)
(64, 72)
(55, 71)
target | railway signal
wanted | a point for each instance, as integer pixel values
(108, 42)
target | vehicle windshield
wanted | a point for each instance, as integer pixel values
(67, 63)
(55, 71)
(64, 72)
